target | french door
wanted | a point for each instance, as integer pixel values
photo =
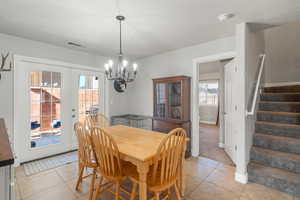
(88, 87)
(49, 99)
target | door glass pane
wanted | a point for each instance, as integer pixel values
(45, 95)
(175, 100)
(88, 96)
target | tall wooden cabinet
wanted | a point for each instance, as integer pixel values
(172, 96)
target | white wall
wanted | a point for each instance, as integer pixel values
(282, 50)
(255, 45)
(250, 44)
(239, 104)
(178, 62)
(31, 48)
(208, 114)
(208, 68)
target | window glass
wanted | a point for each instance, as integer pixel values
(208, 92)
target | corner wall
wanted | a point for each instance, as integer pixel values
(255, 45)
(282, 53)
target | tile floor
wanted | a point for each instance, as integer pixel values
(206, 180)
(209, 141)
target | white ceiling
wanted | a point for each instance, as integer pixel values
(152, 26)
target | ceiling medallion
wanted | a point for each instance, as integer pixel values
(119, 70)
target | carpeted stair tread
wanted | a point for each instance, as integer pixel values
(278, 129)
(279, 113)
(277, 143)
(279, 179)
(284, 96)
(279, 89)
(278, 124)
(280, 117)
(281, 102)
(279, 106)
(281, 160)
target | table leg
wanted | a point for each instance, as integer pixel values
(143, 169)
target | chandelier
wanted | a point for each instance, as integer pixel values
(119, 71)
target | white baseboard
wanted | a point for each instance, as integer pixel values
(208, 122)
(281, 84)
(241, 178)
(221, 145)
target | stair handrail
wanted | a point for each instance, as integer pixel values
(257, 86)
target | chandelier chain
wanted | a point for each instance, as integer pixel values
(120, 37)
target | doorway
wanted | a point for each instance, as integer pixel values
(214, 114)
(49, 99)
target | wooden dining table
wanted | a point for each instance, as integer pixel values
(139, 147)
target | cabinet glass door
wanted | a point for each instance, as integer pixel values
(175, 107)
(161, 100)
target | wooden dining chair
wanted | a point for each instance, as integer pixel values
(97, 120)
(85, 156)
(166, 170)
(110, 166)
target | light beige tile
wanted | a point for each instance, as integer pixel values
(191, 184)
(197, 169)
(226, 168)
(83, 189)
(68, 172)
(209, 191)
(17, 192)
(203, 161)
(20, 173)
(59, 192)
(256, 191)
(225, 178)
(38, 183)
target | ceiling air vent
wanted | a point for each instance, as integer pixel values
(75, 44)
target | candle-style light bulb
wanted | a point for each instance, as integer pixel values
(106, 66)
(111, 63)
(125, 63)
(135, 66)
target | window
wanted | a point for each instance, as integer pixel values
(208, 92)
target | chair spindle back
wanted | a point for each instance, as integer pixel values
(106, 153)
(168, 159)
(97, 120)
(85, 151)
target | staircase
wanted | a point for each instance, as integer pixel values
(275, 155)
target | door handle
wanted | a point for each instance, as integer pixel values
(73, 109)
(73, 116)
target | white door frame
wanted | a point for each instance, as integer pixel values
(240, 175)
(195, 96)
(20, 58)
